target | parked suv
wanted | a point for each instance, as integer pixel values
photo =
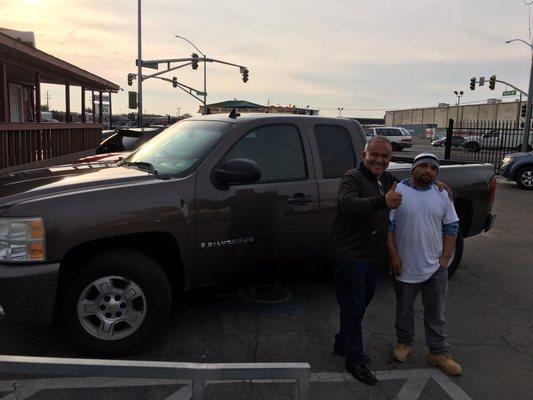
(519, 168)
(400, 138)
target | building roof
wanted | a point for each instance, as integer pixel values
(235, 104)
(23, 61)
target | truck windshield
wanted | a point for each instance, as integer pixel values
(180, 147)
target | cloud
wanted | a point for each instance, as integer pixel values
(351, 53)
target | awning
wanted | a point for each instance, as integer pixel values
(23, 61)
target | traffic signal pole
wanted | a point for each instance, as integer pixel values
(139, 68)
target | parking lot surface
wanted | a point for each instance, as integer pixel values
(293, 317)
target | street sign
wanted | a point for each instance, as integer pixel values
(201, 93)
(147, 64)
(482, 81)
(132, 100)
(509, 93)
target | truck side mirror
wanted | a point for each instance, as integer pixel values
(239, 170)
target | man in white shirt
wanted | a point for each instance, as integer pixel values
(421, 243)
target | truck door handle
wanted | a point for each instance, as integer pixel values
(299, 198)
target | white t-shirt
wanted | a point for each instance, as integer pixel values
(418, 230)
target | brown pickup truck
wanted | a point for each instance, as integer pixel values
(101, 248)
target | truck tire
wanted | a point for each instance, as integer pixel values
(458, 254)
(115, 303)
(524, 178)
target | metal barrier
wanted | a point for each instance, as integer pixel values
(198, 374)
(485, 141)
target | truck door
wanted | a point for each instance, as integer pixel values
(338, 148)
(268, 221)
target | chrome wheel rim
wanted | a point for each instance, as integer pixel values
(527, 178)
(111, 308)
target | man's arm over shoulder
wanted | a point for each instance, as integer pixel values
(352, 199)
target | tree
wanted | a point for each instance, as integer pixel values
(44, 107)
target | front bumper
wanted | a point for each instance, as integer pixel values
(28, 292)
(489, 222)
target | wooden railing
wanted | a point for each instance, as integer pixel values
(22, 143)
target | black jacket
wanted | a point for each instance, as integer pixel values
(360, 228)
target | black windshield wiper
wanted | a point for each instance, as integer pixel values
(142, 165)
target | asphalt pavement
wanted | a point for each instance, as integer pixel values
(489, 314)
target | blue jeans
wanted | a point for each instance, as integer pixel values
(355, 284)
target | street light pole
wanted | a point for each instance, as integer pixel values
(459, 95)
(205, 69)
(527, 121)
(139, 68)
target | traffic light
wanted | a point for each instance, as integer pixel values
(130, 79)
(523, 110)
(245, 75)
(492, 82)
(194, 61)
(174, 81)
(473, 84)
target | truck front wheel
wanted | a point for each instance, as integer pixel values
(115, 303)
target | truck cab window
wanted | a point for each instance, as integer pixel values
(335, 149)
(278, 151)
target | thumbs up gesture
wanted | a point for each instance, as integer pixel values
(393, 198)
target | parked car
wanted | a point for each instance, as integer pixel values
(108, 132)
(127, 140)
(457, 141)
(400, 138)
(495, 139)
(102, 249)
(519, 168)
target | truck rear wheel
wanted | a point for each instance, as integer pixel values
(115, 303)
(458, 254)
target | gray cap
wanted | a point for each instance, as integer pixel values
(425, 158)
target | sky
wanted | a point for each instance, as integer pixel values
(364, 56)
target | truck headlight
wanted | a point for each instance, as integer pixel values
(507, 160)
(22, 239)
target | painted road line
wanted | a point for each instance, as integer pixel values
(415, 381)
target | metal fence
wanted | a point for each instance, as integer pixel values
(22, 143)
(486, 141)
(198, 374)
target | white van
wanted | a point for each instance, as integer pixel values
(400, 138)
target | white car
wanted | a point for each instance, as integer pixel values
(400, 138)
(495, 140)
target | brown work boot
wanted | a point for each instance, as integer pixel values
(445, 363)
(401, 352)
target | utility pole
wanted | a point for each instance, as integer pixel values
(139, 68)
(47, 101)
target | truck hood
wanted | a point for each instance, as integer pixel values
(37, 183)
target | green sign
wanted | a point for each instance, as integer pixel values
(147, 64)
(132, 100)
(509, 93)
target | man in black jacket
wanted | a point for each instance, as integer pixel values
(359, 246)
